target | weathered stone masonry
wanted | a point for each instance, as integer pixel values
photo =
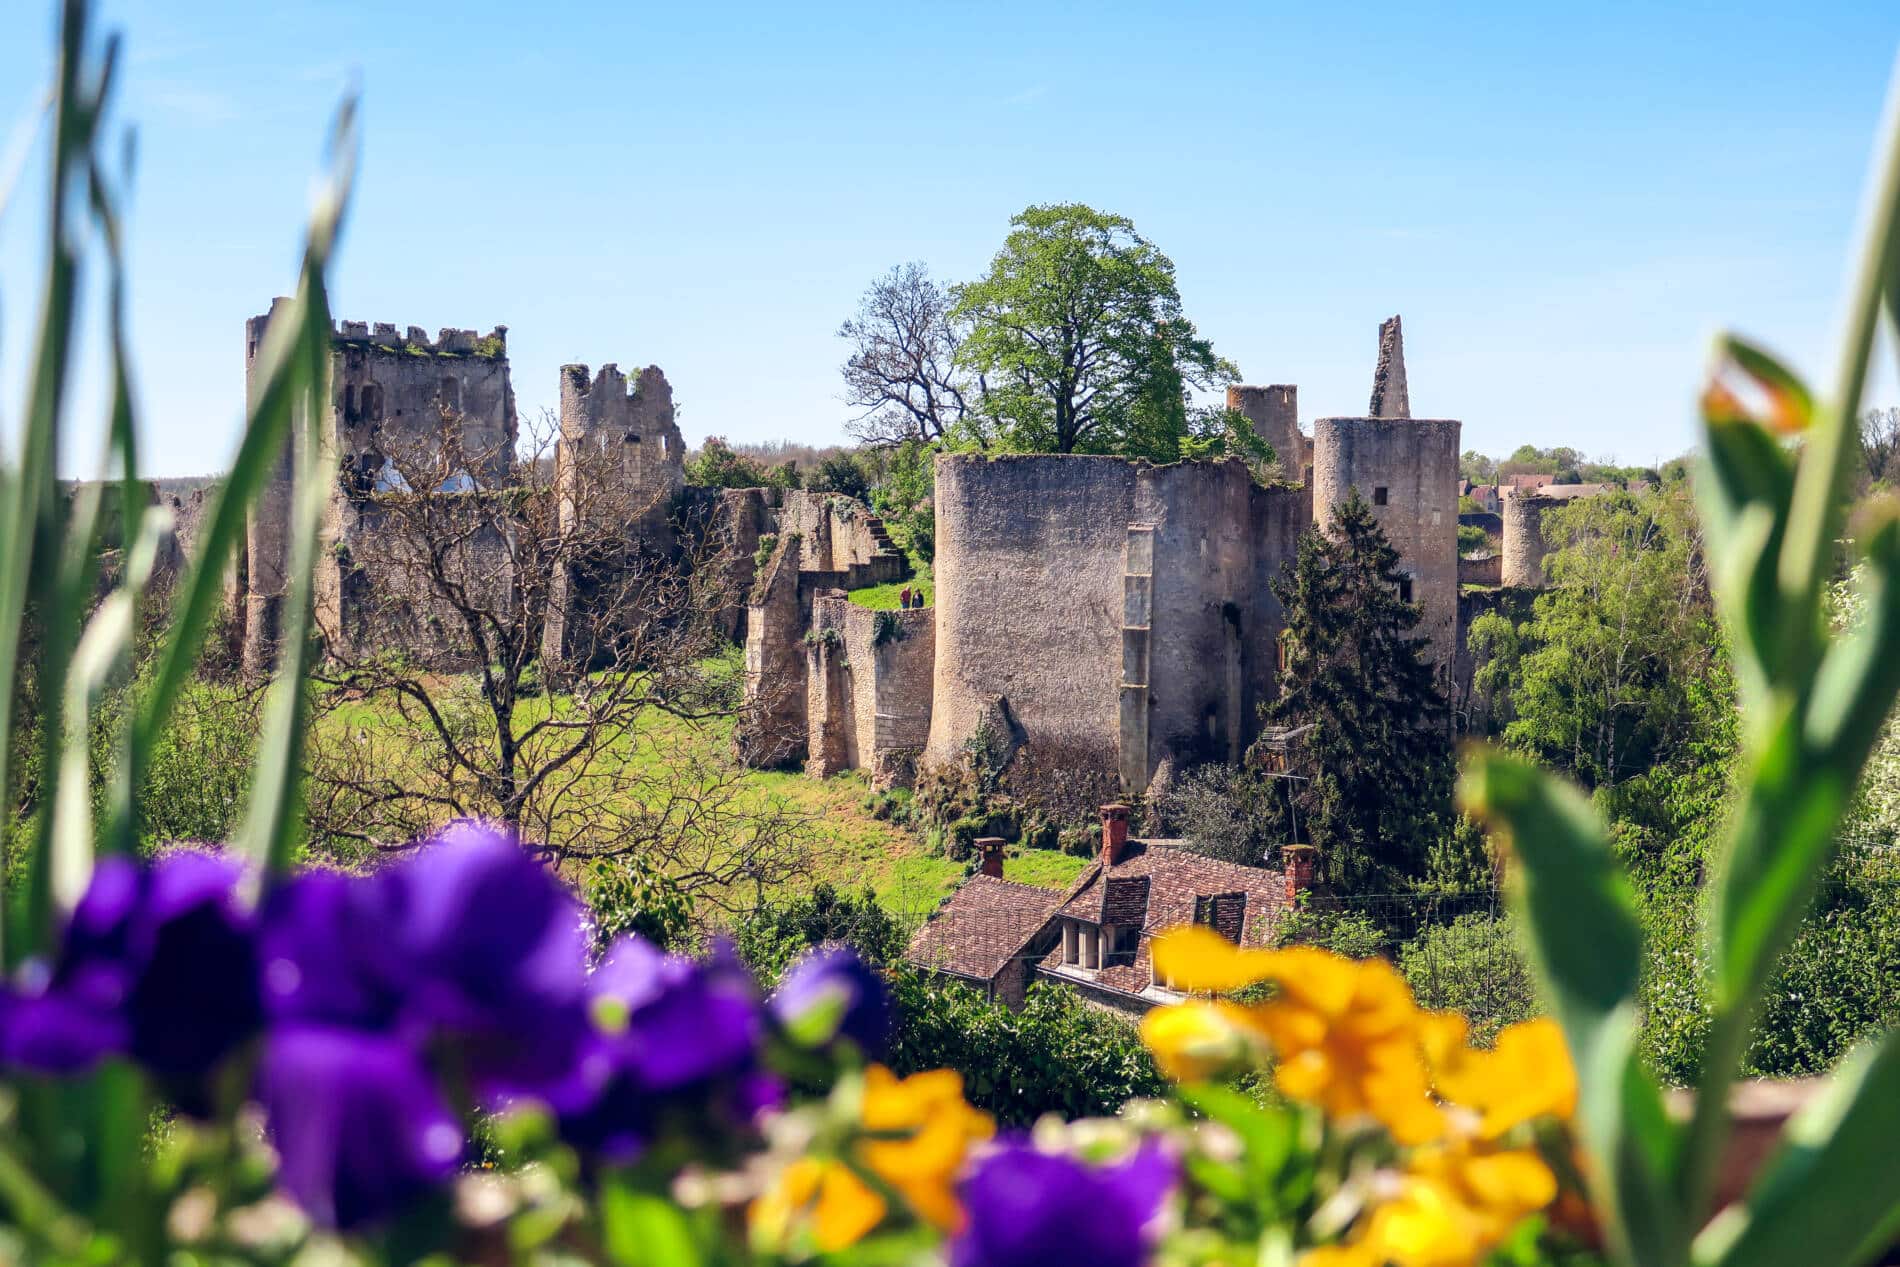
(391, 395)
(1120, 612)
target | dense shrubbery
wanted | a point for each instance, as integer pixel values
(1056, 1055)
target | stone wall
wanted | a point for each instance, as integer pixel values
(1117, 612)
(1524, 546)
(869, 694)
(1407, 471)
(1487, 569)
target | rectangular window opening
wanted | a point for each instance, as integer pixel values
(1379, 496)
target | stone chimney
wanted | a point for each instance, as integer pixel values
(989, 853)
(1297, 860)
(1114, 833)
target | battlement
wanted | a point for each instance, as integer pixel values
(610, 380)
(415, 341)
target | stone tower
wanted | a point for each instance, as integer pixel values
(619, 463)
(1406, 470)
(391, 393)
(1275, 414)
(1524, 545)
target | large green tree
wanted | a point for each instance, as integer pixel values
(1377, 761)
(1620, 667)
(1078, 334)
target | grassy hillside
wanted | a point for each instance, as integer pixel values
(850, 847)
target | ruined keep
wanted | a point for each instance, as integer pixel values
(1524, 545)
(619, 459)
(1099, 620)
(1111, 612)
(390, 393)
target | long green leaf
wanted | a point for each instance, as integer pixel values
(1829, 1189)
(270, 823)
(1587, 945)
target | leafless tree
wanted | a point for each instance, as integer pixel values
(1880, 444)
(544, 644)
(902, 372)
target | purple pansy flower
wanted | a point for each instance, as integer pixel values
(494, 953)
(832, 993)
(679, 1043)
(1028, 1208)
(360, 1129)
(468, 940)
(157, 962)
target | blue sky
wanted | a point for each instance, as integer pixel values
(1564, 202)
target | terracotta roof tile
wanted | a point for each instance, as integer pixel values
(1243, 902)
(979, 928)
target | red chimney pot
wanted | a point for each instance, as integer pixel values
(1114, 833)
(989, 852)
(1297, 862)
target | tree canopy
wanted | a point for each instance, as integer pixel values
(1378, 759)
(1078, 334)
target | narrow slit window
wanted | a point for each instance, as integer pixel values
(1405, 589)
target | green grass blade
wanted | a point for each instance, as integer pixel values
(270, 824)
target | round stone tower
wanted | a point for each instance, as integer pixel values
(1524, 546)
(1406, 470)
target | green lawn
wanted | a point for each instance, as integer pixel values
(884, 597)
(850, 847)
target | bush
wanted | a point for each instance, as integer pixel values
(717, 465)
(841, 473)
(1057, 1055)
(778, 933)
(625, 895)
(1227, 812)
(1474, 965)
(1353, 934)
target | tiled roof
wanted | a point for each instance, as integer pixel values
(977, 929)
(1175, 881)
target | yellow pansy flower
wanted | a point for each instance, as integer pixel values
(1453, 1207)
(1195, 957)
(1527, 1074)
(1347, 1034)
(938, 1128)
(841, 1207)
(1195, 1040)
(920, 1128)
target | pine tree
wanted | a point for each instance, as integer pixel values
(1378, 758)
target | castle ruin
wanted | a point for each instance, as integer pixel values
(404, 410)
(1099, 621)
(1101, 618)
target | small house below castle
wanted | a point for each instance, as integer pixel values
(1097, 936)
